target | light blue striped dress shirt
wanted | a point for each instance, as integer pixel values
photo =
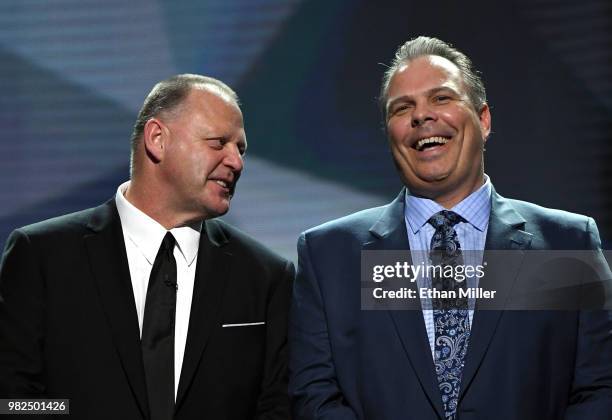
(476, 209)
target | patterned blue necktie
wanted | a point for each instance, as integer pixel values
(451, 320)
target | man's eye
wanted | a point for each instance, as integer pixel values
(216, 143)
(400, 109)
(442, 98)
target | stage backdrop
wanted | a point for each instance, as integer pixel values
(74, 74)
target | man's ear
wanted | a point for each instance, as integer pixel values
(153, 139)
(485, 121)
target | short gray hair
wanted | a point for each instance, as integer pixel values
(424, 45)
(166, 96)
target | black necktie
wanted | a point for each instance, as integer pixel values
(157, 342)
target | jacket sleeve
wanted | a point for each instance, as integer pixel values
(591, 392)
(21, 319)
(313, 386)
(273, 401)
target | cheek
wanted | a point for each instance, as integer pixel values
(459, 117)
(204, 165)
(395, 135)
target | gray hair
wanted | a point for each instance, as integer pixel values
(167, 95)
(424, 45)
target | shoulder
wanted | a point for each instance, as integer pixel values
(52, 238)
(548, 217)
(65, 226)
(355, 225)
(244, 246)
(557, 226)
(535, 213)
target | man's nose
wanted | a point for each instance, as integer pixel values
(421, 114)
(233, 158)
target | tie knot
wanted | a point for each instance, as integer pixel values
(168, 243)
(445, 218)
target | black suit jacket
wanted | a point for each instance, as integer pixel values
(69, 329)
(349, 363)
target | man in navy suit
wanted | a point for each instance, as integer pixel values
(440, 362)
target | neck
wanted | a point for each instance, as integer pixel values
(149, 201)
(449, 199)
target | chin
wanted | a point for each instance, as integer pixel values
(433, 177)
(218, 211)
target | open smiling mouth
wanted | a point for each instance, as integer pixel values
(430, 142)
(225, 185)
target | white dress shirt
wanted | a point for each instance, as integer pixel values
(143, 236)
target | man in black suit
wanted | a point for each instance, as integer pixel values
(146, 307)
(440, 360)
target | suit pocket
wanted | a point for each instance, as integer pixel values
(243, 324)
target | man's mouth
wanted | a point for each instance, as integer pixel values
(429, 142)
(224, 184)
(227, 185)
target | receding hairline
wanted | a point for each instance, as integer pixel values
(221, 92)
(217, 90)
(430, 46)
(434, 60)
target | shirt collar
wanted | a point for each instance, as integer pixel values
(147, 234)
(475, 208)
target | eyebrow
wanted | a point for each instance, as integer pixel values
(430, 92)
(242, 142)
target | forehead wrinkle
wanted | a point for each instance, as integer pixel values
(427, 92)
(450, 77)
(442, 64)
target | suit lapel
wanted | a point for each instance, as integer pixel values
(505, 232)
(390, 234)
(107, 256)
(212, 272)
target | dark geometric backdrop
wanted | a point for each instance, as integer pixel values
(74, 74)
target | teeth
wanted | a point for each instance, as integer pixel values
(222, 183)
(438, 140)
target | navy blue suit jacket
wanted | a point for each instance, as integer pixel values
(346, 363)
